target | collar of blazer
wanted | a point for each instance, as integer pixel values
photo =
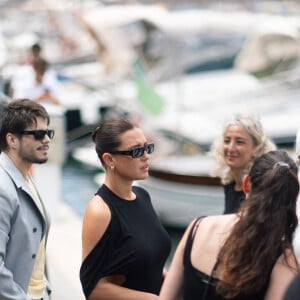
(17, 178)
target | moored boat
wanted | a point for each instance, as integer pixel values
(182, 188)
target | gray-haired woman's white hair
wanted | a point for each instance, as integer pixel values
(260, 139)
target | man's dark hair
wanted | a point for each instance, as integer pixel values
(17, 116)
(36, 49)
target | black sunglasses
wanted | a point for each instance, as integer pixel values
(136, 152)
(39, 135)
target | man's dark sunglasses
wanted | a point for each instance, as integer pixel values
(39, 135)
(136, 152)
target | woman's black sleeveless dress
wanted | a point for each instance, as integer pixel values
(134, 245)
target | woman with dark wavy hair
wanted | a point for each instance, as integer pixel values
(247, 255)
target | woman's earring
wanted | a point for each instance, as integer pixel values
(112, 167)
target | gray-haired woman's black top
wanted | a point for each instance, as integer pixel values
(134, 245)
(233, 199)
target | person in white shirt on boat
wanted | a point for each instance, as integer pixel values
(25, 74)
(35, 79)
(40, 89)
(243, 139)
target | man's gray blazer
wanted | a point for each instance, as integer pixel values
(22, 226)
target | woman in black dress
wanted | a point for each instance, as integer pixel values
(243, 139)
(244, 256)
(124, 246)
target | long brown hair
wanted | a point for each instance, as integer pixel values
(265, 230)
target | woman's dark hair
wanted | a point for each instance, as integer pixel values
(107, 136)
(266, 227)
(17, 116)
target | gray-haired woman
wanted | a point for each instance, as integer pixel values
(243, 139)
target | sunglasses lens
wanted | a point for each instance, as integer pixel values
(50, 133)
(150, 148)
(39, 135)
(138, 152)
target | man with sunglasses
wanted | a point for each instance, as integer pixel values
(24, 221)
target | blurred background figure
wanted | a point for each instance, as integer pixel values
(35, 79)
(242, 140)
(42, 89)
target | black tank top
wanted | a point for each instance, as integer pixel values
(233, 199)
(200, 286)
(134, 245)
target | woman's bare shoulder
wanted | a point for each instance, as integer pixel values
(98, 209)
(215, 227)
(219, 221)
(95, 222)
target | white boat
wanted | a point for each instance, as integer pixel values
(167, 41)
(87, 156)
(197, 105)
(181, 189)
(3, 50)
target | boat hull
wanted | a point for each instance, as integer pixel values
(178, 203)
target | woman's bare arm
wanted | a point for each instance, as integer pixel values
(109, 288)
(281, 277)
(173, 283)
